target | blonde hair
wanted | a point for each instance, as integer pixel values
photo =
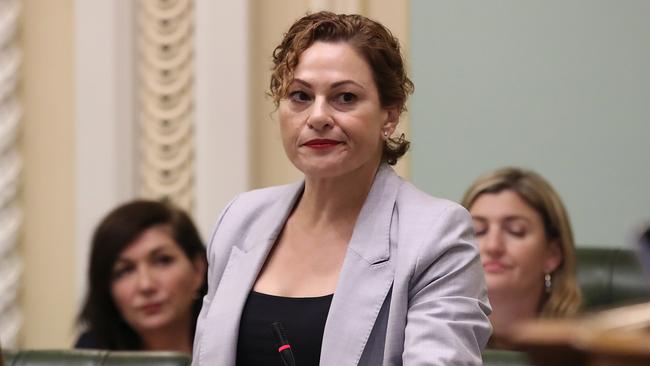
(564, 298)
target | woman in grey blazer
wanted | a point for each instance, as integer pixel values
(358, 266)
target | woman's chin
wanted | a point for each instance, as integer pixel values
(334, 168)
(154, 322)
(499, 285)
(321, 170)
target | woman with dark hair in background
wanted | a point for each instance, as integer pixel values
(526, 246)
(357, 265)
(146, 280)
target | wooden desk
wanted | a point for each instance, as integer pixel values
(617, 337)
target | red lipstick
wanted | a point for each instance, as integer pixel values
(321, 143)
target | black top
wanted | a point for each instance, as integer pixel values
(87, 340)
(303, 320)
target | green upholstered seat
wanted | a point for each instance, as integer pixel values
(93, 358)
(610, 277)
(497, 357)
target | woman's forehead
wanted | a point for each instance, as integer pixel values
(506, 203)
(333, 62)
(155, 238)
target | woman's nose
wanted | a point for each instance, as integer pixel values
(320, 117)
(145, 279)
(492, 242)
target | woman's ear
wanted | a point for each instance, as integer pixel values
(392, 119)
(200, 266)
(554, 257)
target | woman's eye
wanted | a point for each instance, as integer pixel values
(121, 272)
(517, 231)
(480, 230)
(163, 260)
(299, 96)
(346, 98)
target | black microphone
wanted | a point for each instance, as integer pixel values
(284, 348)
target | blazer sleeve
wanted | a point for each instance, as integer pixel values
(447, 319)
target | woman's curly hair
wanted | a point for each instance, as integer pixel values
(375, 44)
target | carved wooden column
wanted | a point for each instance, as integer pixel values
(166, 72)
(10, 167)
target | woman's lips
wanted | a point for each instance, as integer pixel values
(150, 309)
(321, 143)
(494, 267)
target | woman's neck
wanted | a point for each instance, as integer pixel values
(330, 200)
(511, 309)
(172, 338)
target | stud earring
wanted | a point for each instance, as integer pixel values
(385, 133)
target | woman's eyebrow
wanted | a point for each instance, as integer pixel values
(507, 218)
(344, 82)
(160, 248)
(334, 85)
(516, 218)
(300, 81)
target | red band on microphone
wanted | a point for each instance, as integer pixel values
(283, 347)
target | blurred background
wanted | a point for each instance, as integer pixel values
(102, 101)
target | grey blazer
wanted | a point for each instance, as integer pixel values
(411, 290)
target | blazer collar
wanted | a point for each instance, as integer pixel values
(370, 238)
(366, 276)
(272, 222)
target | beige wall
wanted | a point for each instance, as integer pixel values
(46, 39)
(270, 19)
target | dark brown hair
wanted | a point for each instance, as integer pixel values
(375, 44)
(115, 232)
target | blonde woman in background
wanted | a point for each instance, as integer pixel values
(526, 246)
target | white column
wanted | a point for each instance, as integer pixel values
(105, 118)
(222, 106)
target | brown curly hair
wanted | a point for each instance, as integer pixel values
(375, 44)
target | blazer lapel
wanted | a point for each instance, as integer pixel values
(366, 276)
(246, 260)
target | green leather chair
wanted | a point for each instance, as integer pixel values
(93, 358)
(610, 277)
